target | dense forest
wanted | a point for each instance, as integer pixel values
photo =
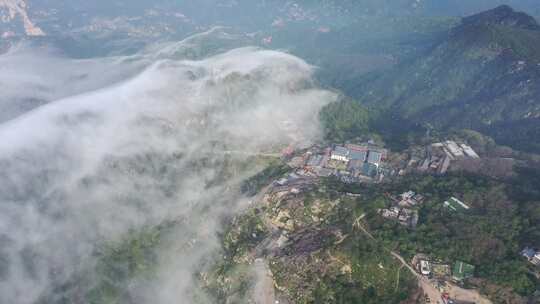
(504, 218)
(481, 74)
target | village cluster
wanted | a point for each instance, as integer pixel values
(437, 157)
(350, 163)
(357, 163)
(353, 163)
(404, 209)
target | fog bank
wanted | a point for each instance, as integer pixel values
(102, 158)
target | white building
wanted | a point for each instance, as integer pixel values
(462, 204)
(469, 151)
(340, 154)
(536, 259)
(425, 268)
(453, 147)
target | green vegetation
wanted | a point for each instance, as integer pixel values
(134, 257)
(480, 75)
(502, 219)
(462, 270)
(519, 134)
(254, 184)
(329, 260)
(348, 120)
(355, 271)
(326, 260)
(231, 278)
(118, 266)
(344, 120)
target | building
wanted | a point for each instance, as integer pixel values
(407, 199)
(374, 157)
(425, 267)
(462, 271)
(531, 255)
(340, 153)
(296, 162)
(469, 151)
(407, 195)
(408, 217)
(315, 161)
(425, 165)
(324, 172)
(419, 198)
(536, 259)
(358, 155)
(454, 149)
(359, 148)
(528, 253)
(445, 165)
(455, 205)
(282, 181)
(391, 213)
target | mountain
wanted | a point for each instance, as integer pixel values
(164, 18)
(483, 74)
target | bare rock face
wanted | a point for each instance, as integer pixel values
(13, 14)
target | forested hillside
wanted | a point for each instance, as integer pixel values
(483, 75)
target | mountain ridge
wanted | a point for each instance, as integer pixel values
(502, 15)
(484, 72)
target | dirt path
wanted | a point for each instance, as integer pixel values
(466, 295)
(264, 288)
(434, 295)
(265, 285)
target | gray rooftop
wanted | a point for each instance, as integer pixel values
(341, 151)
(374, 156)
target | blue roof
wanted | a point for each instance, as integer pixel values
(374, 156)
(528, 253)
(357, 155)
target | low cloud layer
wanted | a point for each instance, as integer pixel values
(86, 168)
(31, 77)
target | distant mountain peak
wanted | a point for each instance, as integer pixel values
(502, 15)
